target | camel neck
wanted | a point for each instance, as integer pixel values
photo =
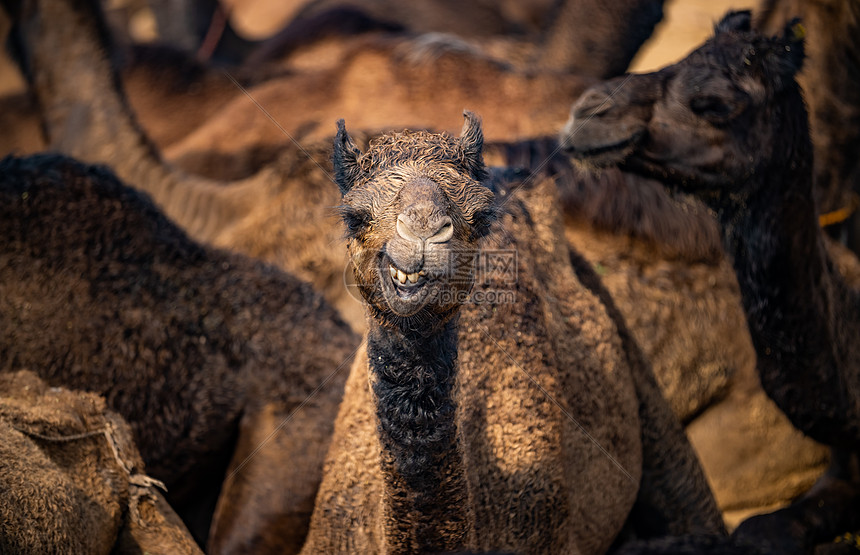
(413, 380)
(790, 293)
(65, 53)
(66, 56)
(606, 44)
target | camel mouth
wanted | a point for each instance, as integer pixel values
(606, 154)
(679, 177)
(406, 284)
(405, 292)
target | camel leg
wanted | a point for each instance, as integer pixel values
(268, 494)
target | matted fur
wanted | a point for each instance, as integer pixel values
(72, 479)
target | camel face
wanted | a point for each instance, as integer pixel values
(701, 124)
(413, 223)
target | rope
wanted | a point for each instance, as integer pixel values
(60, 438)
(135, 478)
(840, 214)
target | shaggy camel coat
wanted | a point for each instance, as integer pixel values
(73, 480)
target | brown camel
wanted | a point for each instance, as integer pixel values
(227, 370)
(386, 82)
(383, 69)
(98, 127)
(524, 419)
(265, 216)
(527, 35)
(73, 480)
(728, 124)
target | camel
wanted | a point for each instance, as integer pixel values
(728, 125)
(103, 129)
(539, 33)
(385, 68)
(73, 480)
(395, 73)
(831, 87)
(100, 128)
(524, 419)
(228, 371)
(527, 35)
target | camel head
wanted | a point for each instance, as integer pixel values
(415, 207)
(728, 112)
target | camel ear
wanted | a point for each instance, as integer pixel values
(793, 47)
(471, 144)
(738, 21)
(785, 55)
(345, 159)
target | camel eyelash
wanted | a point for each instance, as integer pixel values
(355, 219)
(483, 219)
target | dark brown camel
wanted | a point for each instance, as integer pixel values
(225, 368)
(524, 419)
(728, 124)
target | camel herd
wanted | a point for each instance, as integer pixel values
(603, 318)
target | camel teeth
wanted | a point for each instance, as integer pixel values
(422, 273)
(401, 277)
(413, 277)
(393, 271)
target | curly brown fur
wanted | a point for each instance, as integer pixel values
(519, 473)
(661, 259)
(69, 470)
(198, 349)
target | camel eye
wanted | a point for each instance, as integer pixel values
(483, 219)
(356, 220)
(712, 107)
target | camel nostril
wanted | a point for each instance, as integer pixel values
(444, 232)
(405, 230)
(438, 231)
